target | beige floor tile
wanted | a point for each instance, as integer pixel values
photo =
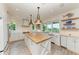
(19, 48)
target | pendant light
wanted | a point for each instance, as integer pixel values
(30, 23)
(38, 21)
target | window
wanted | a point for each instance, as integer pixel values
(49, 27)
(56, 27)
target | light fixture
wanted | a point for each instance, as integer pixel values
(38, 21)
(30, 23)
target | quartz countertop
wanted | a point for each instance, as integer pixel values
(37, 37)
(70, 33)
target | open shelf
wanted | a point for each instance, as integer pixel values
(75, 18)
(69, 24)
(70, 29)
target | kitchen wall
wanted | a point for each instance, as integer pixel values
(16, 34)
(3, 27)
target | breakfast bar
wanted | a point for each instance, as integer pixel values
(38, 43)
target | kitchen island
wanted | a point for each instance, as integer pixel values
(38, 43)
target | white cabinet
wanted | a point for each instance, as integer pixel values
(26, 40)
(70, 43)
(15, 35)
(42, 48)
(64, 41)
(55, 38)
(77, 45)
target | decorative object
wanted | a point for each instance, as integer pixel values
(25, 23)
(68, 15)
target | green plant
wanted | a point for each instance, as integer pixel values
(33, 27)
(12, 26)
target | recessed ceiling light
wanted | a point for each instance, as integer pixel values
(17, 9)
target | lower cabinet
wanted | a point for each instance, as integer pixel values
(71, 43)
(42, 48)
(77, 45)
(56, 39)
(15, 35)
(64, 41)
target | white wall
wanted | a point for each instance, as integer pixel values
(3, 27)
(17, 34)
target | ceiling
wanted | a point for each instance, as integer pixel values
(47, 10)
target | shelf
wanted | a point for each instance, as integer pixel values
(75, 18)
(25, 26)
(69, 24)
(70, 29)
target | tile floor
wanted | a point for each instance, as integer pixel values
(57, 50)
(19, 48)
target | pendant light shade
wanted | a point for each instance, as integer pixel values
(38, 21)
(30, 23)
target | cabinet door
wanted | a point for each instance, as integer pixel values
(35, 48)
(64, 41)
(70, 43)
(57, 40)
(54, 38)
(77, 45)
(26, 40)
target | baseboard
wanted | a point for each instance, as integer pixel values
(63, 47)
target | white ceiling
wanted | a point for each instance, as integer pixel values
(47, 10)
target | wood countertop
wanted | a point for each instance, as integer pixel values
(37, 37)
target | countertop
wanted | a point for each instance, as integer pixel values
(37, 37)
(70, 33)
